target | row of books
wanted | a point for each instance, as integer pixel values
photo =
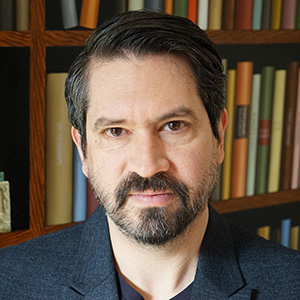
(285, 234)
(262, 147)
(14, 14)
(208, 14)
(5, 212)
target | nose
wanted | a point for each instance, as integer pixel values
(148, 156)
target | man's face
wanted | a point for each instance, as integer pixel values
(151, 154)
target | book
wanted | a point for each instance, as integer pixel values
(253, 134)
(257, 14)
(276, 14)
(289, 125)
(296, 150)
(264, 129)
(192, 10)
(298, 16)
(228, 11)
(89, 13)
(135, 4)
(286, 232)
(169, 7)
(276, 131)
(7, 15)
(22, 15)
(215, 15)
(79, 189)
(154, 5)
(240, 143)
(289, 14)
(243, 14)
(69, 13)
(181, 8)
(264, 232)
(294, 239)
(203, 14)
(266, 15)
(228, 143)
(59, 149)
(5, 218)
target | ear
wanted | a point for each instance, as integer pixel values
(77, 140)
(221, 129)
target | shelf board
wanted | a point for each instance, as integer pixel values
(254, 36)
(15, 39)
(257, 201)
(66, 38)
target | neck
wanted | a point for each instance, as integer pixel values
(159, 272)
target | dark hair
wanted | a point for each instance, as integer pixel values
(143, 33)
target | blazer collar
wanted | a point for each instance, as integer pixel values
(94, 272)
(218, 273)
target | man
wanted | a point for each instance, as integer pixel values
(146, 102)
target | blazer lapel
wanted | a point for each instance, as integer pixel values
(94, 273)
(218, 273)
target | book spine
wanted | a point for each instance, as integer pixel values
(264, 232)
(257, 14)
(277, 128)
(181, 8)
(266, 15)
(289, 125)
(79, 189)
(276, 14)
(294, 240)
(240, 143)
(169, 7)
(22, 15)
(154, 5)
(243, 14)
(285, 232)
(192, 10)
(69, 13)
(228, 14)
(298, 16)
(215, 15)
(253, 134)
(289, 14)
(59, 151)
(5, 209)
(264, 131)
(203, 6)
(6, 15)
(89, 13)
(230, 104)
(296, 150)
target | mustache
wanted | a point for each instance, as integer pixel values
(159, 182)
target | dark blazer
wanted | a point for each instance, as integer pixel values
(77, 263)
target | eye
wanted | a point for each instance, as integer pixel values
(174, 125)
(115, 132)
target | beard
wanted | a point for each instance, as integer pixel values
(156, 226)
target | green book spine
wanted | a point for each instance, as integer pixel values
(181, 8)
(298, 16)
(257, 13)
(264, 131)
(253, 134)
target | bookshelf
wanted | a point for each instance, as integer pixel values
(38, 39)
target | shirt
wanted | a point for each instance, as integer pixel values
(129, 293)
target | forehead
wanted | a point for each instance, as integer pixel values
(131, 82)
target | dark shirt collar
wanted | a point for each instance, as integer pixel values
(128, 293)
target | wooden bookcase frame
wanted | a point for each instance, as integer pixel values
(38, 39)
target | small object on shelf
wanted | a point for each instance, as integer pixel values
(5, 219)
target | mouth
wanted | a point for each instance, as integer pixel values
(150, 198)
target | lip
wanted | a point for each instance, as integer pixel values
(151, 199)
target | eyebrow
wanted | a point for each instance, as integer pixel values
(181, 111)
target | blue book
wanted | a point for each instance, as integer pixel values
(79, 189)
(285, 232)
(257, 14)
